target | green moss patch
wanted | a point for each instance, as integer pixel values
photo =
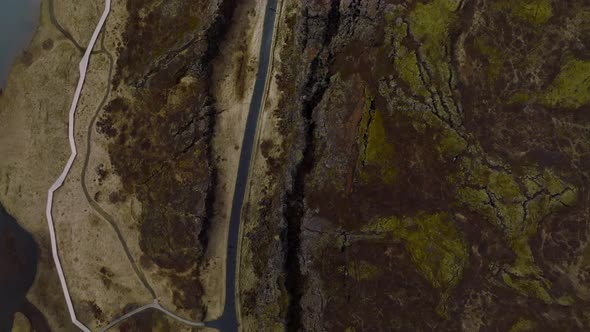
(516, 205)
(571, 88)
(433, 241)
(451, 144)
(535, 12)
(379, 151)
(376, 149)
(505, 187)
(523, 325)
(431, 23)
(360, 270)
(531, 287)
(493, 55)
(406, 64)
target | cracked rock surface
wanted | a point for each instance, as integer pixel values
(431, 171)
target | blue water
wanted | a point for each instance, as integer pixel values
(18, 21)
(18, 266)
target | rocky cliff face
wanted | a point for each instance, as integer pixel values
(432, 172)
(160, 124)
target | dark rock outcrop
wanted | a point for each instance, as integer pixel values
(433, 171)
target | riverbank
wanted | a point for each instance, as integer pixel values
(18, 21)
(33, 145)
(18, 262)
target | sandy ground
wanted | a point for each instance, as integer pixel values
(267, 130)
(78, 17)
(234, 76)
(33, 146)
(100, 277)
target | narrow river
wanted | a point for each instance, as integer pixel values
(18, 20)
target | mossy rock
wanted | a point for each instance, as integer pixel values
(377, 149)
(433, 241)
(431, 23)
(532, 287)
(516, 204)
(360, 270)
(451, 144)
(406, 64)
(493, 55)
(534, 12)
(505, 187)
(523, 325)
(571, 87)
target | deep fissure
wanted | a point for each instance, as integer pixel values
(313, 92)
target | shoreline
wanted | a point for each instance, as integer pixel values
(61, 179)
(30, 136)
(31, 19)
(20, 253)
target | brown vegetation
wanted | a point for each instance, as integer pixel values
(432, 174)
(160, 132)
